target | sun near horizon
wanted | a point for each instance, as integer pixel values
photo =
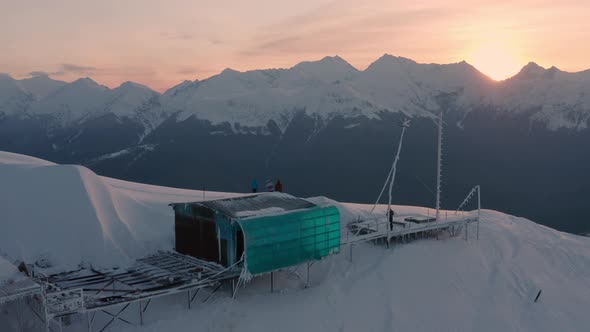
(498, 60)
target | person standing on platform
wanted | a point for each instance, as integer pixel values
(254, 186)
(279, 186)
(391, 213)
(269, 185)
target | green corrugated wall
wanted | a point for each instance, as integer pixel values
(274, 242)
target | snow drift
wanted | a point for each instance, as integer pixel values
(68, 215)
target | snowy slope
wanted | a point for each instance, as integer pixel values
(62, 104)
(73, 100)
(14, 100)
(8, 272)
(324, 89)
(563, 99)
(331, 87)
(41, 86)
(85, 99)
(112, 221)
(430, 285)
(327, 88)
(68, 215)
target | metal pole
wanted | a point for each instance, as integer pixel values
(188, 299)
(307, 281)
(392, 171)
(271, 282)
(89, 324)
(140, 313)
(438, 165)
(466, 227)
(478, 208)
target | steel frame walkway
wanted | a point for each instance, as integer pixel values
(379, 228)
(162, 274)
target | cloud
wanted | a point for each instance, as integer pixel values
(69, 68)
(39, 74)
(216, 41)
(66, 69)
(187, 71)
(336, 28)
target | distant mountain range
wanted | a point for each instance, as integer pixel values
(317, 124)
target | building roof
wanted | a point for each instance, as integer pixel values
(255, 205)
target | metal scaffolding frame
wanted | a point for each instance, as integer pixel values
(90, 291)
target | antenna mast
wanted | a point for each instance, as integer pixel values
(391, 175)
(439, 165)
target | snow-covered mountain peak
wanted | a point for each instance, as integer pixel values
(229, 71)
(387, 61)
(88, 82)
(132, 86)
(13, 98)
(41, 85)
(5, 76)
(180, 88)
(329, 69)
(530, 71)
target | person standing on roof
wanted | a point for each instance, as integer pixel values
(254, 186)
(279, 186)
(391, 213)
(269, 185)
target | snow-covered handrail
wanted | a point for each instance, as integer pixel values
(469, 196)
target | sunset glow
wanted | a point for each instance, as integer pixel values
(161, 43)
(497, 60)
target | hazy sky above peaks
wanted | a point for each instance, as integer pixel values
(161, 43)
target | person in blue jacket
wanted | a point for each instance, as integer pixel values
(254, 186)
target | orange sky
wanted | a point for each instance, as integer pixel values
(160, 43)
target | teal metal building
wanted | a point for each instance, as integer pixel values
(260, 232)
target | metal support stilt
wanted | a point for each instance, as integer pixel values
(88, 322)
(213, 292)
(307, 281)
(478, 209)
(114, 317)
(140, 313)
(466, 231)
(195, 295)
(236, 289)
(147, 305)
(188, 299)
(271, 282)
(439, 165)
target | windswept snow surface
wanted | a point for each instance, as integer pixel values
(69, 215)
(426, 285)
(8, 272)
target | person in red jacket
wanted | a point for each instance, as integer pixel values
(279, 186)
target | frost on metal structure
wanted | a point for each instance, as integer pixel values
(466, 200)
(439, 165)
(391, 175)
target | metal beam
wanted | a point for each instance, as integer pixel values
(115, 317)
